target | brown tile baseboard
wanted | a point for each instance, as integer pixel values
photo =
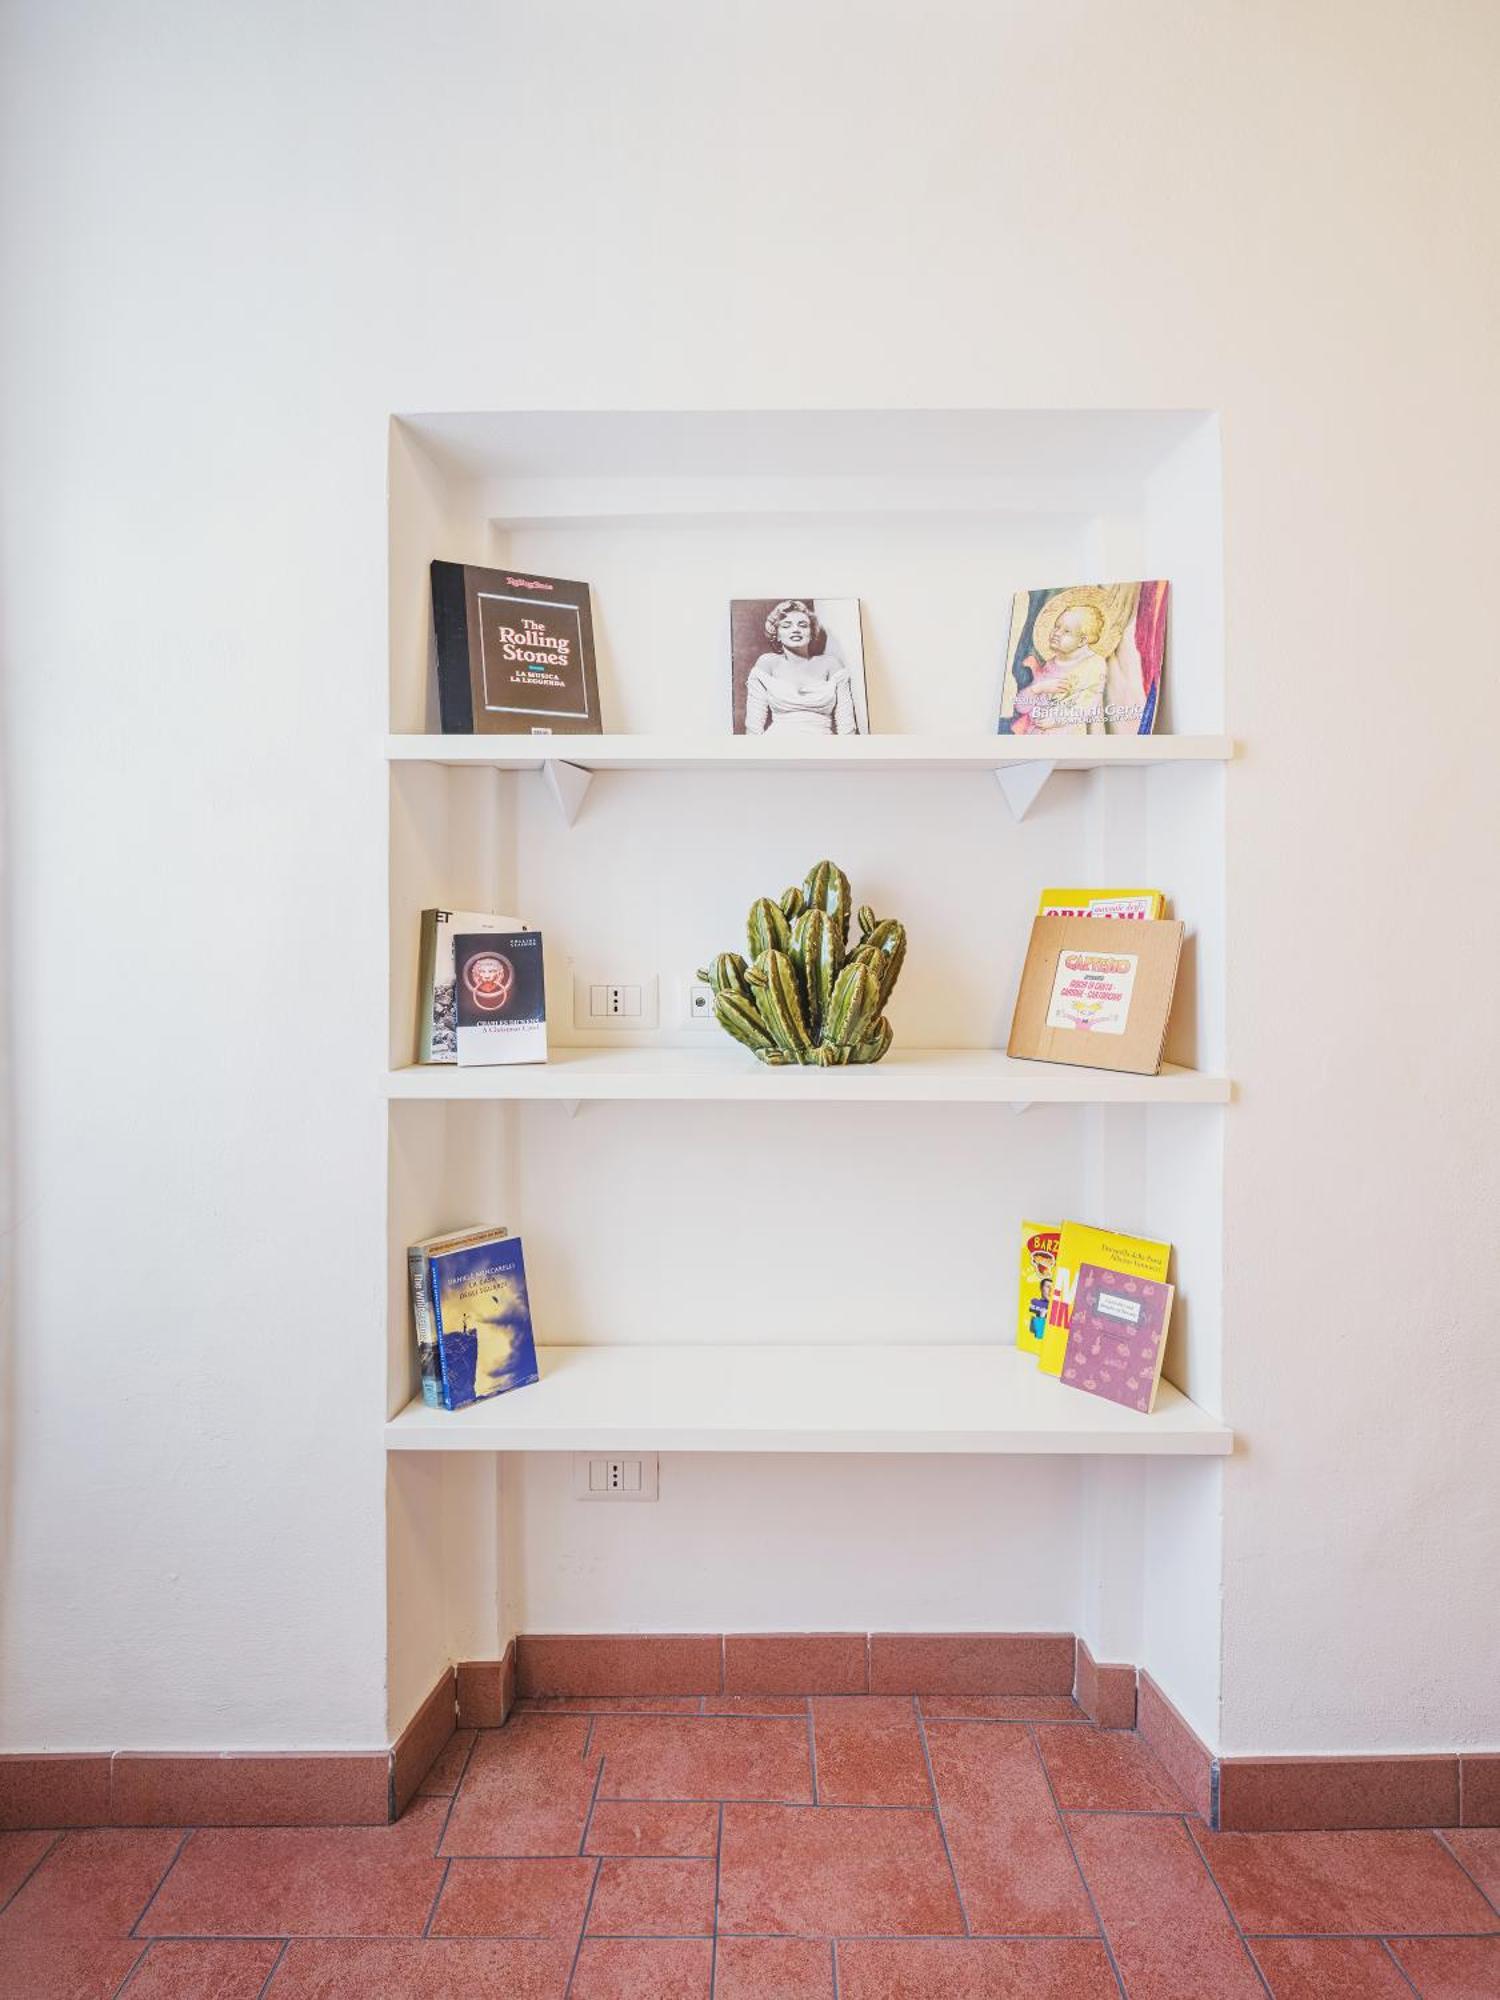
(358, 1788)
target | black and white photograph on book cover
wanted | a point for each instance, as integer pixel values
(798, 667)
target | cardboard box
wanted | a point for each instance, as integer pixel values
(1097, 993)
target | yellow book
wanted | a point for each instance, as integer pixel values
(1148, 903)
(1112, 1251)
(1038, 1261)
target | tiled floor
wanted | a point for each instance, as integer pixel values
(842, 1848)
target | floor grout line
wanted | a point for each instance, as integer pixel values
(453, 1801)
(1109, 1950)
(135, 1928)
(1443, 1841)
(275, 1968)
(438, 1897)
(1400, 1968)
(140, 1960)
(833, 1953)
(50, 1848)
(588, 1818)
(583, 1928)
(713, 1962)
(1236, 1925)
(937, 1813)
(812, 1750)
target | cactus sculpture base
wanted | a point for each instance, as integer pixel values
(804, 994)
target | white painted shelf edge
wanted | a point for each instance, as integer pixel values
(760, 753)
(845, 1398)
(726, 1074)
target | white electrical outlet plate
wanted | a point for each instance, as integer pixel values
(615, 1001)
(695, 1004)
(631, 1475)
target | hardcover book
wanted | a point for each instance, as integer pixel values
(424, 1324)
(1108, 1249)
(482, 1321)
(501, 999)
(1148, 903)
(437, 1013)
(1117, 1336)
(515, 653)
(798, 667)
(1085, 661)
(1039, 1242)
(1095, 995)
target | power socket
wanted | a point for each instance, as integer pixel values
(616, 1001)
(616, 1476)
(697, 1004)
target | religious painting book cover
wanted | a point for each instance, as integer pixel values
(1085, 660)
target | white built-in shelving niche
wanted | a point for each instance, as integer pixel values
(696, 1201)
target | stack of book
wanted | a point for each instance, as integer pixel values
(472, 1316)
(1094, 1308)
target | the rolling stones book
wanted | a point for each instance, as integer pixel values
(515, 653)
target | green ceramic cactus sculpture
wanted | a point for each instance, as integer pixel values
(803, 996)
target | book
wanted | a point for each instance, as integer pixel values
(482, 1320)
(1094, 996)
(437, 1013)
(501, 997)
(1085, 661)
(1148, 903)
(1109, 1249)
(1038, 1264)
(515, 653)
(1117, 1336)
(424, 1325)
(797, 667)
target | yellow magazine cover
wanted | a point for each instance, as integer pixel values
(1038, 1262)
(1111, 1251)
(1148, 903)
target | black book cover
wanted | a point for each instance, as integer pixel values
(515, 653)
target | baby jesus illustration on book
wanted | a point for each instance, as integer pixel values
(1084, 672)
(803, 687)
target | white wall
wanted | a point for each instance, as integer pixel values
(235, 241)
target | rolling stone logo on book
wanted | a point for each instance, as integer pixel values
(515, 653)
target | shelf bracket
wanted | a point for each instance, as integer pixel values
(1022, 1104)
(1021, 783)
(568, 784)
(570, 1105)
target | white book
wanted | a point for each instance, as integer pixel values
(437, 1020)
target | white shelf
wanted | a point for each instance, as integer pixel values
(727, 1074)
(839, 753)
(854, 1398)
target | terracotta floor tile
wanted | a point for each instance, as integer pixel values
(1374, 1883)
(527, 1789)
(1000, 1708)
(376, 1881)
(1450, 1968)
(653, 1899)
(536, 1898)
(437, 1969)
(833, 1871)
(212, 1969)
(1096, 1770)
(714, 1757)
(442, 1778)
(643, 1969)
(773, 1969)
(55, 1969)
(869, 1752)
(1166, 1922)
(1329, 1969)
(1016, 1872)
(94, 1883)
(977, 1969)
(1478, 1848)
(642, 1826)
(19, 1854)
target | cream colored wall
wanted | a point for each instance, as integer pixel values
(236, 239)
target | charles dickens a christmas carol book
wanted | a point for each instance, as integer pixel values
(501, 997)
(1117, 1336)
(437, 1012)
(1097, 993)
(482, 1321)
(515, 653)
(424, 1322)
(1108, 1250)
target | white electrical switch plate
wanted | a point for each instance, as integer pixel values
(697, 1004)
(615, 1475)
(623, 1001)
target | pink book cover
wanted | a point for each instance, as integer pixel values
(1117, 1336)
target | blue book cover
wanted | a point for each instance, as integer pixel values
(483, 1321)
